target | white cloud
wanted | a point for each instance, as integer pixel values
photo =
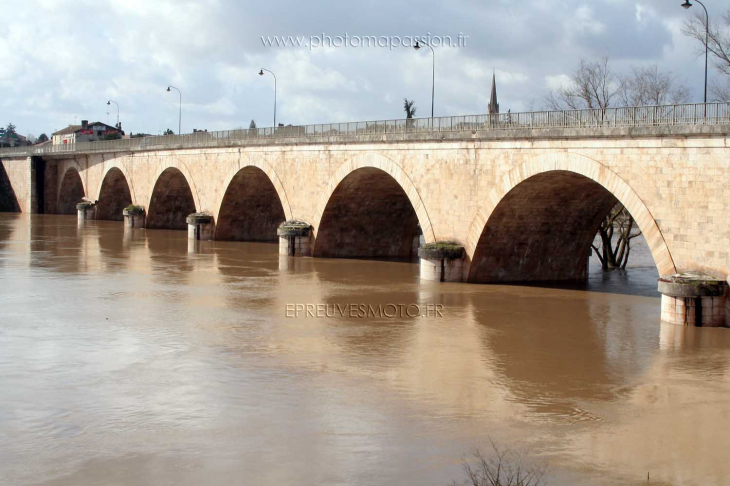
(585, 21)
(557, 81)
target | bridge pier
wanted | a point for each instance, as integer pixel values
(442, 262)
(86, 210)
(692, 299)
(295, 238)
(134, 217)
(200, 227)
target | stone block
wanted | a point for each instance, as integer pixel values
(443, 270)
(295, 245)
(134, 220)
(86, 211)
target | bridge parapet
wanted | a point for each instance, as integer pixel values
(622, 122)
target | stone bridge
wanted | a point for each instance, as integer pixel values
(525, 204)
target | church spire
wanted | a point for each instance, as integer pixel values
(493, 105)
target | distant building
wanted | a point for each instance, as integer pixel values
(86, 132)
(493, 105)
(12, 140)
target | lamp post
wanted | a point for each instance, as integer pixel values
(433, 70)
(179, 119)
(687, 5)
(109, 103)
(261, 73)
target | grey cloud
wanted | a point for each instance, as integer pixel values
(62, 63)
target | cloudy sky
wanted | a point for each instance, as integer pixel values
(61, 60)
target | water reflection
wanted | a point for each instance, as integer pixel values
(168, 256)
(55, 243)
(114, 250)
(136, 357)
(7, 228)
(554, 381)
(673, 415)
(250, 273)
(361, 296)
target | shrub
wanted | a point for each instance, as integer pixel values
(133, 210)
(84, 205)
(199, 218)
(438, 250)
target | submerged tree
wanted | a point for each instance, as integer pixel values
(502, 467)
(620, 224)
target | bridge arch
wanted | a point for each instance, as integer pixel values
(109, 166)
(172, 200)
(114, 195)
(70, 191)
(175, 163)
(539, 219)
(253, 205)
(370, 208)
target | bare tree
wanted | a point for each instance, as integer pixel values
(720, 91)
(647, 86)
(618, 223)
(409, 108)
(503, 467)
(592, 85)
(718, 38)
(718, 45)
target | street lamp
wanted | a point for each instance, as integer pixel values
(687, 5)
(179, 119)
(433, 71)
(109, 103)
(261, 73)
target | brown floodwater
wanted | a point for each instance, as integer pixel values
(134, 358)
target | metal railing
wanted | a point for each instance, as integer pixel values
(639, 116)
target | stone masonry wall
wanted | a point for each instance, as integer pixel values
(15, 185)
(677, 188)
